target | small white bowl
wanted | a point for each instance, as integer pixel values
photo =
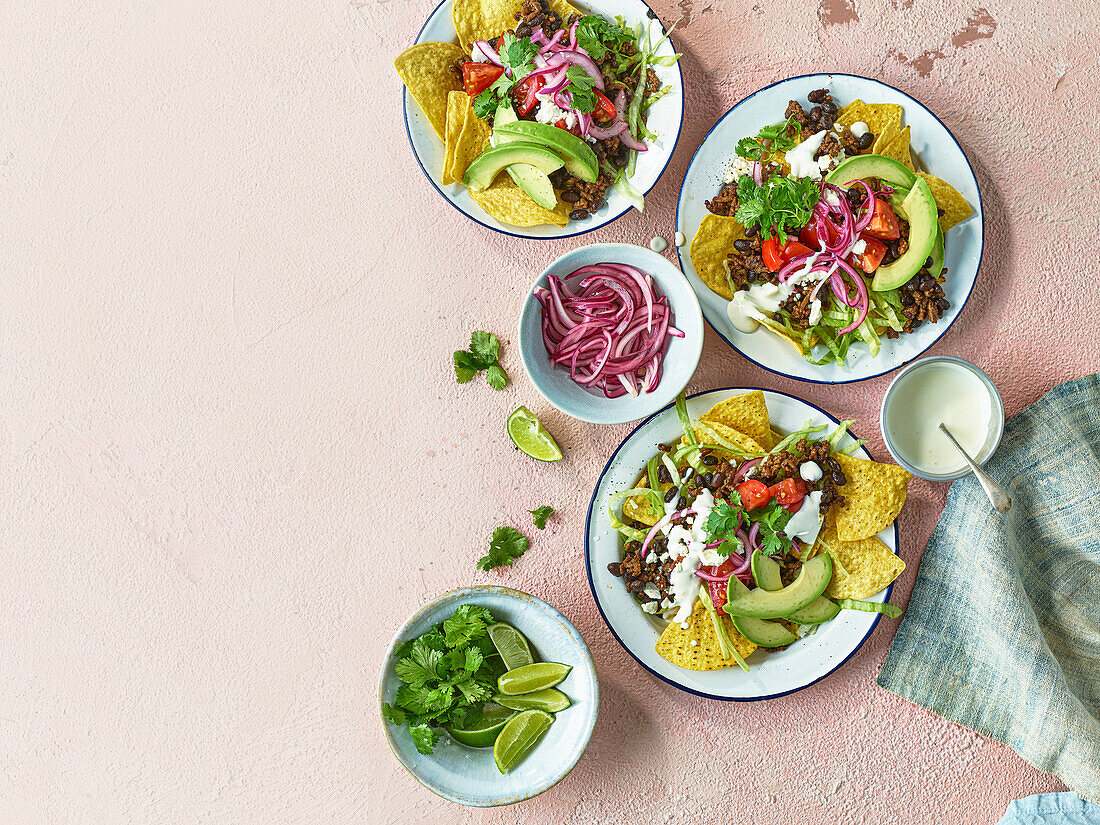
(681, 354)
(996, 417)
(469, 776)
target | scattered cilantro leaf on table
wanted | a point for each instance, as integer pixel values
(481, 356)
(507, 545)
(540, 514)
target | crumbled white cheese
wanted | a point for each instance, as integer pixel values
(548, 112)
(649, 607)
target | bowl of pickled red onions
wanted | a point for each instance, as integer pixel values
(611, 333)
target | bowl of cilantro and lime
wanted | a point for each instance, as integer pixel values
(826, 236)
(488, 696)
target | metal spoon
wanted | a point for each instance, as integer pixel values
(996, 494)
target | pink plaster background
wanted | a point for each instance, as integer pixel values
(233, 458)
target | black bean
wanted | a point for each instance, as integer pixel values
(940, 212)
(929, 261)
(523, 30)
(855, 196)
(751, 232)
(710, 460)
(671, 494)
(663, 474)
(817, 95)
(827, 121)
(570, 196)
(635, 585)
(708, 479)
(943, 304)
(719, 479)
(741, 245)
(578, 215)
(829, 107)
(866, 141)
(615, 568)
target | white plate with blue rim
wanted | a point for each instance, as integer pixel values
(772, 673)
(469, 776)
(665, 119)
(936, 151)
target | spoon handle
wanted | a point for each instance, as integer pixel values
(996, 494)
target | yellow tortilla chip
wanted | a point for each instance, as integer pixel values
(456, 117)
(878, 116)
(868, 566)
(954, 206)
(509, 204)
(894, 143)
(747, 414)
(873, 497)
(709, 248)
(472, 140)
(731, 435)
(425, 69)
(483, 19)
(564, 9)
(696, 646)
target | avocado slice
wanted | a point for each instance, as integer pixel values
(766, 571)
(489, 164)
(862, 167)
(768, 576)
(760, 632)
(531, 180)
(580, 160)
(919, 208)
(811, 582)
(937, 254)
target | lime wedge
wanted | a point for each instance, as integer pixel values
(511, 645)
(531, 437)
(549, 699)
(493, 719)
(521, 733)
(529, 678)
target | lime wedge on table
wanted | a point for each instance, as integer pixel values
(550, 699)
(521, 733)
(531, 437)
(484, 733)
(529, 678)
(511, 645)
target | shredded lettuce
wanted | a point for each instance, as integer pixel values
(725, 443)
(616, 522)
(807, 430)
(887, 609)
(837, 435)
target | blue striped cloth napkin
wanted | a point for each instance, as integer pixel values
(1002, 632)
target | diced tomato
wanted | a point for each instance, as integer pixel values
(718, 590)
(789, 493)
(605, 109)
(525, 91)
(884, 223)
(477, 77)
(754, 493)
(574, 129)
(808, 235)
(869, 259)
(775, 255)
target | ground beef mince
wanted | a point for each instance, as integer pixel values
(777, 466)
(922, 299)
(534, 14)
(896, 247)
(725, 202)
(646, 578)
(746, 266)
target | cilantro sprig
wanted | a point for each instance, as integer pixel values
(482, 355)
(723, 522)
(506, 545)
(779, 135)
(580, 89)
(779, 206)
(596, 35)
(447, 674)
(772, 519)
(540, 514)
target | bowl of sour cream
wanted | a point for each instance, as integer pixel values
(936, 390)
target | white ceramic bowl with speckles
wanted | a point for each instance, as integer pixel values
(773, 673)
(469, 776)
(665, 119)
(936, 151)
(681, 354)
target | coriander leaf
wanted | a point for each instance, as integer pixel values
(433, 639)
(507, 545)
(473, 660)
(438, 699)
(518, 53)
(749, 148)
(580, 89)
(468, 622)
(595, 35)
(424, 737)
(473, 690)
(485, 346)
(421, 667)
(496, 376)
(465, 367)
(723, 520)
(540, 514)
(395, 716)
(486, 103)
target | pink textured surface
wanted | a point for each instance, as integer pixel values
(226, 379)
